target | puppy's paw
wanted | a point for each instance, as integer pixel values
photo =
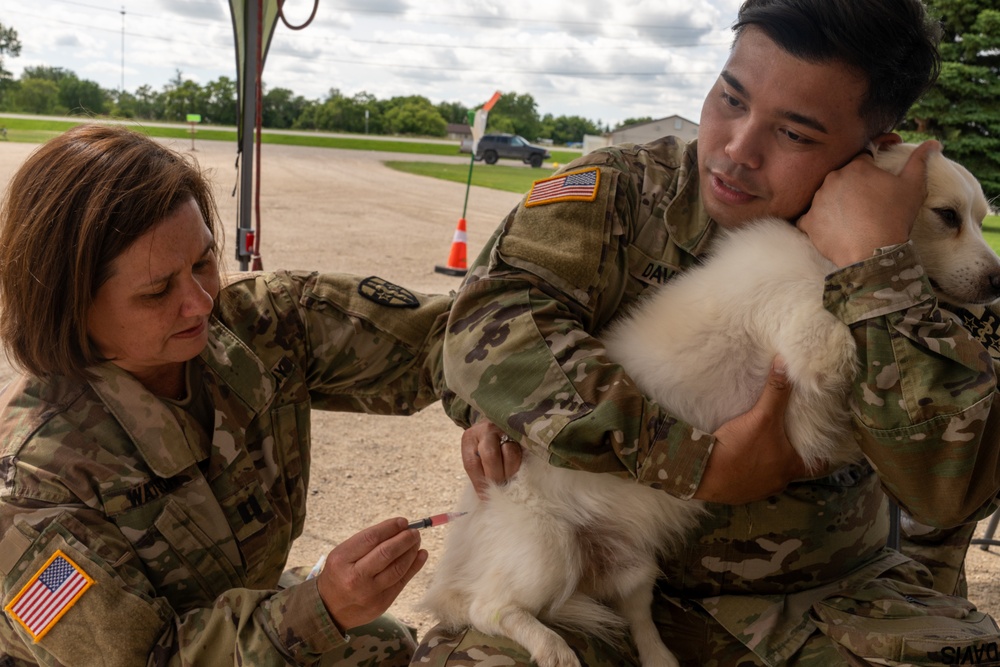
(658, 657)
(556, 654)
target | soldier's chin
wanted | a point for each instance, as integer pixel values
(728, 216)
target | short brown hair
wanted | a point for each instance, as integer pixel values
(73, 207)
(893, 43)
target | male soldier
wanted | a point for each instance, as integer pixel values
(785, 570)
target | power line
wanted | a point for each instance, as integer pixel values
(585, 74)
(489, 47)
(175, 40)
(174, 18)
(506, 70)
(88, 6)
(461, 18)
(477, 18)
(99, 28)
(377, 42)
(366, 63)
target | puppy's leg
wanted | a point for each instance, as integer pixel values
(817, 346)
(826, 354)
(635, 605)
(821, 358)
(547, 648)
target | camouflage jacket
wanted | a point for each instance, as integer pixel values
(523, 348)
(184, 524)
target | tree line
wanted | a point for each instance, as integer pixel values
(54, 90)
(962, 110)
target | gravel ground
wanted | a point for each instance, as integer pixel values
(345, 211)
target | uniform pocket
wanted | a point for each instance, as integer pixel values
(896, 623)
(188, 567)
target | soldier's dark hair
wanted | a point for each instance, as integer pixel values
(74, 206)
(893, 43)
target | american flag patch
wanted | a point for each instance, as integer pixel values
(572, 186)
(50, 593)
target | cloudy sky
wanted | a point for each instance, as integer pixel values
(603, 61)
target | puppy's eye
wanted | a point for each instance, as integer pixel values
(949, 216)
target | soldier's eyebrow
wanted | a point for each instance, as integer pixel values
(166, 277)
(795, 117)
(734, 83)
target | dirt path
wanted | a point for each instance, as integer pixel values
(337, 210)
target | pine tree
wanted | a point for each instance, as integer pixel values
(962, 110)
(10, 45)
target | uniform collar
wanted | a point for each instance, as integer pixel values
(152, 426)
(686, 219)
(149, 423)
(239, 368)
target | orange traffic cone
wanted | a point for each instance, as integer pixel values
(456, 259)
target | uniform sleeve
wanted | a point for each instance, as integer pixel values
(115, 616)
(521, 348)
(362, 344)
(924, 403)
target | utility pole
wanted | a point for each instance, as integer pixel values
(122, 92)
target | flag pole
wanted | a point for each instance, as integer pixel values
(477, 123)
(472, 161)
(457, 261)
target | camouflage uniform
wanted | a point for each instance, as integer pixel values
(183, 514)
(755, 581)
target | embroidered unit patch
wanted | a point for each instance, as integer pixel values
(573, 186)
(983, 325)
(383, 292)
(50, 593)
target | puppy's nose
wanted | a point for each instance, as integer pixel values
(995, 283)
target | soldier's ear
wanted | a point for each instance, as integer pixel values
(886, 140)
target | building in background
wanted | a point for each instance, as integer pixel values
(643, 133)
(460, 131)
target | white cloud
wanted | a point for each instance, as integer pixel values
(195, 9)
(575, 57)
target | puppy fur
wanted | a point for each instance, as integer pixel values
(576, 550)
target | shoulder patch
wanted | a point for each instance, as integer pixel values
(384, 293)
(579, 185)
(49, 595)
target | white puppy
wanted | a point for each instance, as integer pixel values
(579, 550)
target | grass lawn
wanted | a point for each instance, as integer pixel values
(991, 230)
(39, 130)
(497, 176)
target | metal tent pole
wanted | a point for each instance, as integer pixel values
(249, 88)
